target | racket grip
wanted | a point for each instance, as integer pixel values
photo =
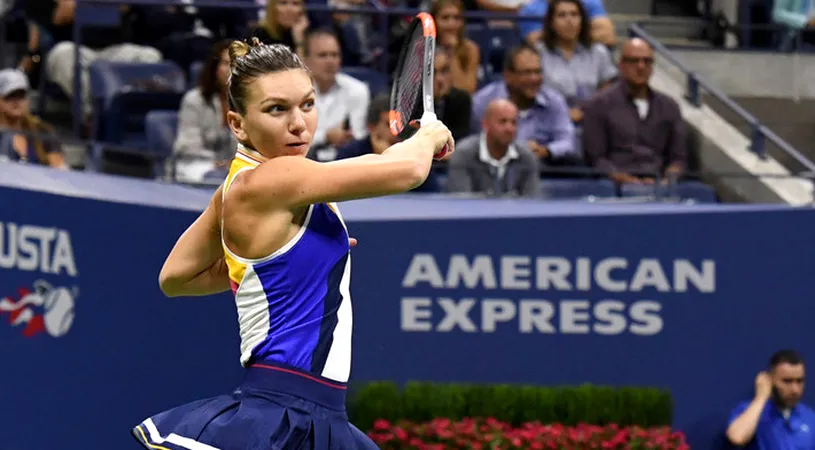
(431, 117)
(428, 117)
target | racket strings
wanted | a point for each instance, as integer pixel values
(409, 81)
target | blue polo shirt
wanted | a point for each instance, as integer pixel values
(775, 432)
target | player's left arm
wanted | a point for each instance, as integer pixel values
(196, 266)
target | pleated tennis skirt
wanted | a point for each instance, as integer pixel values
(276, 407)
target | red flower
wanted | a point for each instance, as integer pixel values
(400, 433)
(381, 424)
(478, 434)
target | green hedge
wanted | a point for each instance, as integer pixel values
(515, 404)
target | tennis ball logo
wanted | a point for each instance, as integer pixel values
(45, 309)
(59, 311)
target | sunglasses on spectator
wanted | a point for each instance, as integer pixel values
(648, 60)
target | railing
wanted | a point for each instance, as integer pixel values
(696, 84)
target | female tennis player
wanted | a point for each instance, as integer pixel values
(273, 233)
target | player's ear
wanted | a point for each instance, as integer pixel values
(235, 122)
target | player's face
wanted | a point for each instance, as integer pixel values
(280, 114)
(788, 382)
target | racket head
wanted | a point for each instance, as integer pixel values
(412, 90)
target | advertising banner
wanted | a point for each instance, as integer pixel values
(694, 300)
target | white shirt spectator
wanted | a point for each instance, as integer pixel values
(347, 100)
(499, 164)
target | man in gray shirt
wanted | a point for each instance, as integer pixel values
(631, 131)
(491, 162)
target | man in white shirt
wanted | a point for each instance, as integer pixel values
(342, 101)
(492, 162)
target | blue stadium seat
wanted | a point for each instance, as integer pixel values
(123, 94)
(687, 191)
(195, 72)
(639, 190)
(696, 191)
(161, 128)
(376, 82)
(573, 189)
(215, 176)
(477, 32)
(494, 43)
(86, 15)
(187, 49)
(502, 39)
(98, 15)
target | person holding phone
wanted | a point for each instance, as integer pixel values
(775, 418)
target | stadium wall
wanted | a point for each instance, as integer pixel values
(690, 298)
(753, 73)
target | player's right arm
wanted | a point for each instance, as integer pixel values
(289, 182)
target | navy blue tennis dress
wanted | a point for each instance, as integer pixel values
(294, 312)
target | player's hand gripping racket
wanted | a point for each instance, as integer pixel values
(412, 92)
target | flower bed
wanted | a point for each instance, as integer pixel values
(490, 433)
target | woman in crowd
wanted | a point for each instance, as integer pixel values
(453, 106)
(284, 22)
(466, 56)
(15, 115)
(572, 64)
(204, 138)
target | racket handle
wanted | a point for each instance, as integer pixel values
(431, 117)
(428, 117)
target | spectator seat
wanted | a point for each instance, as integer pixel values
(377, 83)
(161, 128)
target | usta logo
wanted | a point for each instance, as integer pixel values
(46, 309)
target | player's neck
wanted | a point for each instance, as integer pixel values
(249, 151)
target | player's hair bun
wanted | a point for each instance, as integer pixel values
(237, 49)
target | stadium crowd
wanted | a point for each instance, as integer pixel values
(521, 98)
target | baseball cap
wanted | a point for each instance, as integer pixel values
(12, 80)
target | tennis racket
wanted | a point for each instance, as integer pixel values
(412, 92)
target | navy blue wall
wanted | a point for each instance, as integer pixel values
(689, 298)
